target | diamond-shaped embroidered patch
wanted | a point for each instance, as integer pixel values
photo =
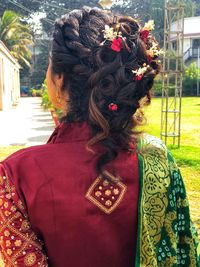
(105, 195)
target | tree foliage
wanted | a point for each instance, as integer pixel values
(17, 36)
(153, 9)
(142, 10)
(191, 76)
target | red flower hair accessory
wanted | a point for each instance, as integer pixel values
(117, 44)
(113, 107)
(153, 49)
(114, 36)
(148, 27)
(144, 34)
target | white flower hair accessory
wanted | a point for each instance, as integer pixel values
(139, 73)
(154, 50)
(115, 36)
(149, 26)
(110, 33)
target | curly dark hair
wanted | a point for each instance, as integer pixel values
(95, 76)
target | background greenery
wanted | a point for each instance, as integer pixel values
(143, 10)
(16, 34)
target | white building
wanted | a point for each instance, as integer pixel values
(9, 79)
(191, 42)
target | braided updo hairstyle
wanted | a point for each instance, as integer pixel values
(95, 76)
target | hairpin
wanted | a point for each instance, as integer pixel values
(113, 107)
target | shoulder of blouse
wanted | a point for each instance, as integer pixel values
(26, 150)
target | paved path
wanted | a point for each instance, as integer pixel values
(26, 124)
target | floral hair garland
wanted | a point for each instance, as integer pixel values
(117, 40)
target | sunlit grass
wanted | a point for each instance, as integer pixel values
(6, 151)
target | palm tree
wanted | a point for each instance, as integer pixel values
(17, 36)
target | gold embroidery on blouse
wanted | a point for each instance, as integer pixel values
(17, 238)
(30, 259)
(111, 195)
(1, 180)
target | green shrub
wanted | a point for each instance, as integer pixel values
(191, 74)
(46, 103)
(157, 88)
(35, 92)
(39, 92)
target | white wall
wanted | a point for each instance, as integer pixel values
(9, 79)
(186, 44)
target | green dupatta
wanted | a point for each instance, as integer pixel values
(166, 235)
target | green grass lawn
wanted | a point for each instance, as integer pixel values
(187, 156)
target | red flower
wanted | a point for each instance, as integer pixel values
(149, 59)
(117, 44)
(113, 107)
(138, 77)
(144, 35)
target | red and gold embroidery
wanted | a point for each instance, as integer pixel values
(105, 195)
(19, 246)
(30, 259)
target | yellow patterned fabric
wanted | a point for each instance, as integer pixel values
(166, 236)
(19, 245)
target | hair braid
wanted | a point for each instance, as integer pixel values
(95, 76)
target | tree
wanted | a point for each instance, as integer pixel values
(40, 63)
(52, 9)
(17, 36)
(20, 6)
(152, 9)
(197, 7)
(142, 10)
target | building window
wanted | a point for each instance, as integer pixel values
(174, 45)
(195, 43)
(195, 46)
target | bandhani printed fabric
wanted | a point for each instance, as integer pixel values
(166, 235)
(19, 246)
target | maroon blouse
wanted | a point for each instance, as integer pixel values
(82, 221)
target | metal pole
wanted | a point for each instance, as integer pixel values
(198, 70)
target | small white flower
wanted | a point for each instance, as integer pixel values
(110, 33)
(149, 26)
(154, 50)
(140, 72)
